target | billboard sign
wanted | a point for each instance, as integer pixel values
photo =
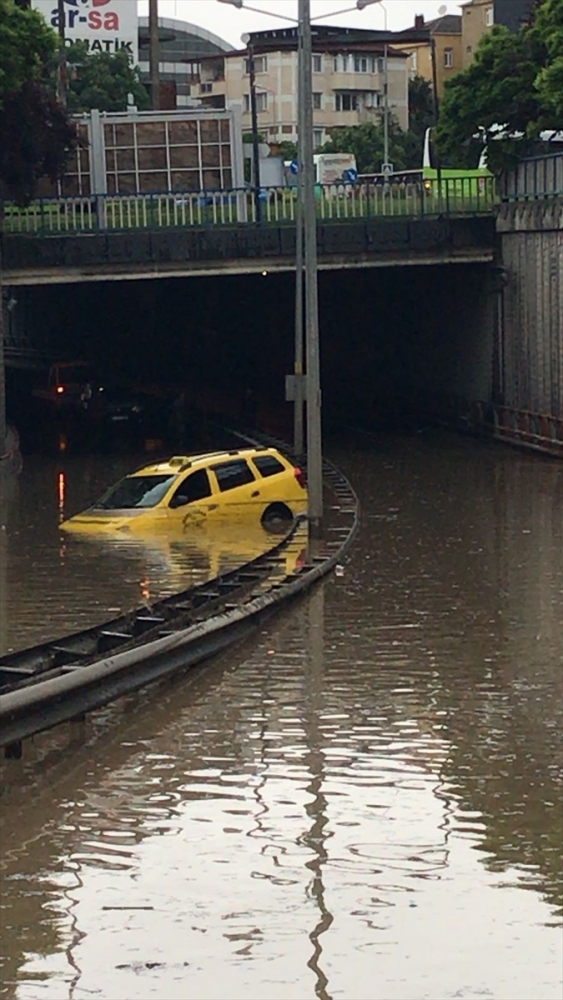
(105, 25)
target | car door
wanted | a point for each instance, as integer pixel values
(238, 491)
(192, 501)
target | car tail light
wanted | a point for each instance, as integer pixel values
(300, 477)
(60, 389)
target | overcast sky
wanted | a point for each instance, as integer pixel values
(230, 23)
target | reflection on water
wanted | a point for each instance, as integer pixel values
(363, 802)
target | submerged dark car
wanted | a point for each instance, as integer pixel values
(116, 410)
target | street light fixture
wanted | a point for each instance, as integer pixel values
(359, 5)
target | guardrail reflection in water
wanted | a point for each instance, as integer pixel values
(335, 202)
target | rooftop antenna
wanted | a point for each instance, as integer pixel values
(442, 10)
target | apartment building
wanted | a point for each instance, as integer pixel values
(479, 16)
(440, 37)
(350, 68)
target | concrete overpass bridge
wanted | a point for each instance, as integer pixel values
(109, 238)
(478, 345)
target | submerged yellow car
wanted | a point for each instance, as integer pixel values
(259, 483)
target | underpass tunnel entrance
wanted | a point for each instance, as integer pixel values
(392, 341)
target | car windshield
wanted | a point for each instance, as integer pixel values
(136, 491)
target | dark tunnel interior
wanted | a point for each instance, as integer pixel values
(392, 340)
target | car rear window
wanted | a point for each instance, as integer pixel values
(233, 474)
(267, 465)
(136, 491)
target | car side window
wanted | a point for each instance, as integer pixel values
(267, 465)
(233, 474)
(194, 487)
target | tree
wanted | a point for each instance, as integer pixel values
(27, 44)
(366, 142)
(422, 109)
(102, 80)
(515, 82)
(36, 136)
(36, 140)
(547, 33)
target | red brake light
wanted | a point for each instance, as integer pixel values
(300, 477)
(60, 389)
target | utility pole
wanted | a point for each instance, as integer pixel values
(314, 440)
(61, 67)
(154, 55)
(298, 439)
(255, 139)
(386, 104)
(436, 103)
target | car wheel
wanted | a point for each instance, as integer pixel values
(277, 518)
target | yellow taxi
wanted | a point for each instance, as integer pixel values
(256, 483)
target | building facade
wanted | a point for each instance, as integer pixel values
(442, 39)
(182, 46)
(480, 16)
(350, 69)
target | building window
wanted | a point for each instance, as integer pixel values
(414, 61)
(381, 65)
(287, 129)
(317, 64)
(448, 58)
(489, 17)
(361, 64)
(317, 137)
(260, 65)
(372, 99)
(261, 103)
(206, 88)
(341, 63)
(317, 101)
(346, 102)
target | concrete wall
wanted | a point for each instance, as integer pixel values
(531, 319)
(452, 348)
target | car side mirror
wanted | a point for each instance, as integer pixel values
(178, 502)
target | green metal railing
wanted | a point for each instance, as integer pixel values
(369, 199)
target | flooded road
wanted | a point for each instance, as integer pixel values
(363, 802)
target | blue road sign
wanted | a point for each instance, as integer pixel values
(351, 175)
(294, 166)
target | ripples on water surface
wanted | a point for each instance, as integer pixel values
(362, 803)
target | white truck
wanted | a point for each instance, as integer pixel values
(335, 168)
(330, 168)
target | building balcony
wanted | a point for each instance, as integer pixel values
(355, 81)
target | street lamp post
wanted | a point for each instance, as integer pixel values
(255, 138)
(307, 191)
(298, 438)
(307, 265)
(61, 64)
(154, 55)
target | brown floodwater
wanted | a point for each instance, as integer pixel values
(362, 802)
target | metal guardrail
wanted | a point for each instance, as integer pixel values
(370, 199)
(534, 178)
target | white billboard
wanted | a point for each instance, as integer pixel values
(105, 25)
